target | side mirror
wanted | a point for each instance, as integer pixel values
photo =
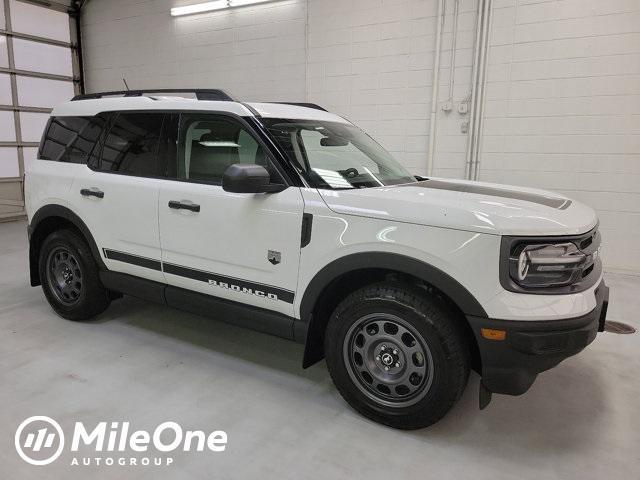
(248, 178)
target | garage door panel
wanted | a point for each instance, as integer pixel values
(35, 20)
(4, 54)
(7, 127)
(9, 166)
(41, 57)
(32, 125)
(38, 73)
(42, 92)
(5, 89)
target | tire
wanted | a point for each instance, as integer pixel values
(414, 335)
(69, 277)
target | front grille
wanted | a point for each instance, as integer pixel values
(585, 243)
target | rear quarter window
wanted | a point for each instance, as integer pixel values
(131, 145)
(71, 139)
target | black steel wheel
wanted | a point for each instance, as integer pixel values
(397, 353)
(388, 359)
(64, 275)
(70, 278)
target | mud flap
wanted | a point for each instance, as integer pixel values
(484, 396)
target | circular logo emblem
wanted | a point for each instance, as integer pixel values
(387, 359)
(39, 440)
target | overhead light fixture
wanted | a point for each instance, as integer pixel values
(211, 6)
(199, 8)
(241, 3)
(218, 143)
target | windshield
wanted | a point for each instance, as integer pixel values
(333, 155)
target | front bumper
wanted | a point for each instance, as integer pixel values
(510, 366)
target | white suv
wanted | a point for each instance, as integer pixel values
(290, 220)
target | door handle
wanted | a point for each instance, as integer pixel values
(184, 205)
(92, 192)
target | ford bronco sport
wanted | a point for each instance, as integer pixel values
(290, 220)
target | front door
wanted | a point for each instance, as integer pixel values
(239, 247)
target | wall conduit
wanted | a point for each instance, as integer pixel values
(478, 82)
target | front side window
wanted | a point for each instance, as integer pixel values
(71, 139)
(335, 156)
(131, 146)
(209, 144)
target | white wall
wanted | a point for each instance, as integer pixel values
(254, 52)
(563, 109)
(562, 96)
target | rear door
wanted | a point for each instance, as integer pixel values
(116, 194)
(239, 247)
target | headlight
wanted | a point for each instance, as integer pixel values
(551, 264)
(548, 265)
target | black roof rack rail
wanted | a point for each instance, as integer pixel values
(200, 93)
(302, 104)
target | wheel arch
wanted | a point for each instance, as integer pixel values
(48, 219)
(345, 275)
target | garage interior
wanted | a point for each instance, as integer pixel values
(538, 93)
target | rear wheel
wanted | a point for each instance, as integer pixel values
(396, 355)
(69, 277)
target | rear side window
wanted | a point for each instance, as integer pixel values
(131, 146)
(71, 139)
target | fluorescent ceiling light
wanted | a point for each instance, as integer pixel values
(200, 7)
(240, 3)
(210, 6)
(218, 143)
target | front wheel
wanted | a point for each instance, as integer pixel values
(397, 355)
(69, 277)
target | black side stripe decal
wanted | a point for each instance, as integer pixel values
(133, 259)
(221, 281)
(234, 284)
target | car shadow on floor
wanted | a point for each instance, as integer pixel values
(216, 335)
(558, 414)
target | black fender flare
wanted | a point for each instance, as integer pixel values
(449, 286)
(49, 211)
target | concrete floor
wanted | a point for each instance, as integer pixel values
(148, 364)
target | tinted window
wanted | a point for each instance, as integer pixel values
(208, 144)
(131, 146)
(71, 139)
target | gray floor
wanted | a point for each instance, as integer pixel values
(148, 364)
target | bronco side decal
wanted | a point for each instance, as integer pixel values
(215, 280)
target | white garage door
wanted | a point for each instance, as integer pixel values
(36, 72)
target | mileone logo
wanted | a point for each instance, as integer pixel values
(239, 289)
(40, 440)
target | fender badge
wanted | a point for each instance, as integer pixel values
(274, 257)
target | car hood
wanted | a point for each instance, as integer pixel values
(467, 205)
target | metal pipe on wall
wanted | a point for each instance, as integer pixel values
(472, 101)
(452, 69)
(483, 81)
(434, 87)
(478, 80)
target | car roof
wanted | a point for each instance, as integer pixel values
(88, 107)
